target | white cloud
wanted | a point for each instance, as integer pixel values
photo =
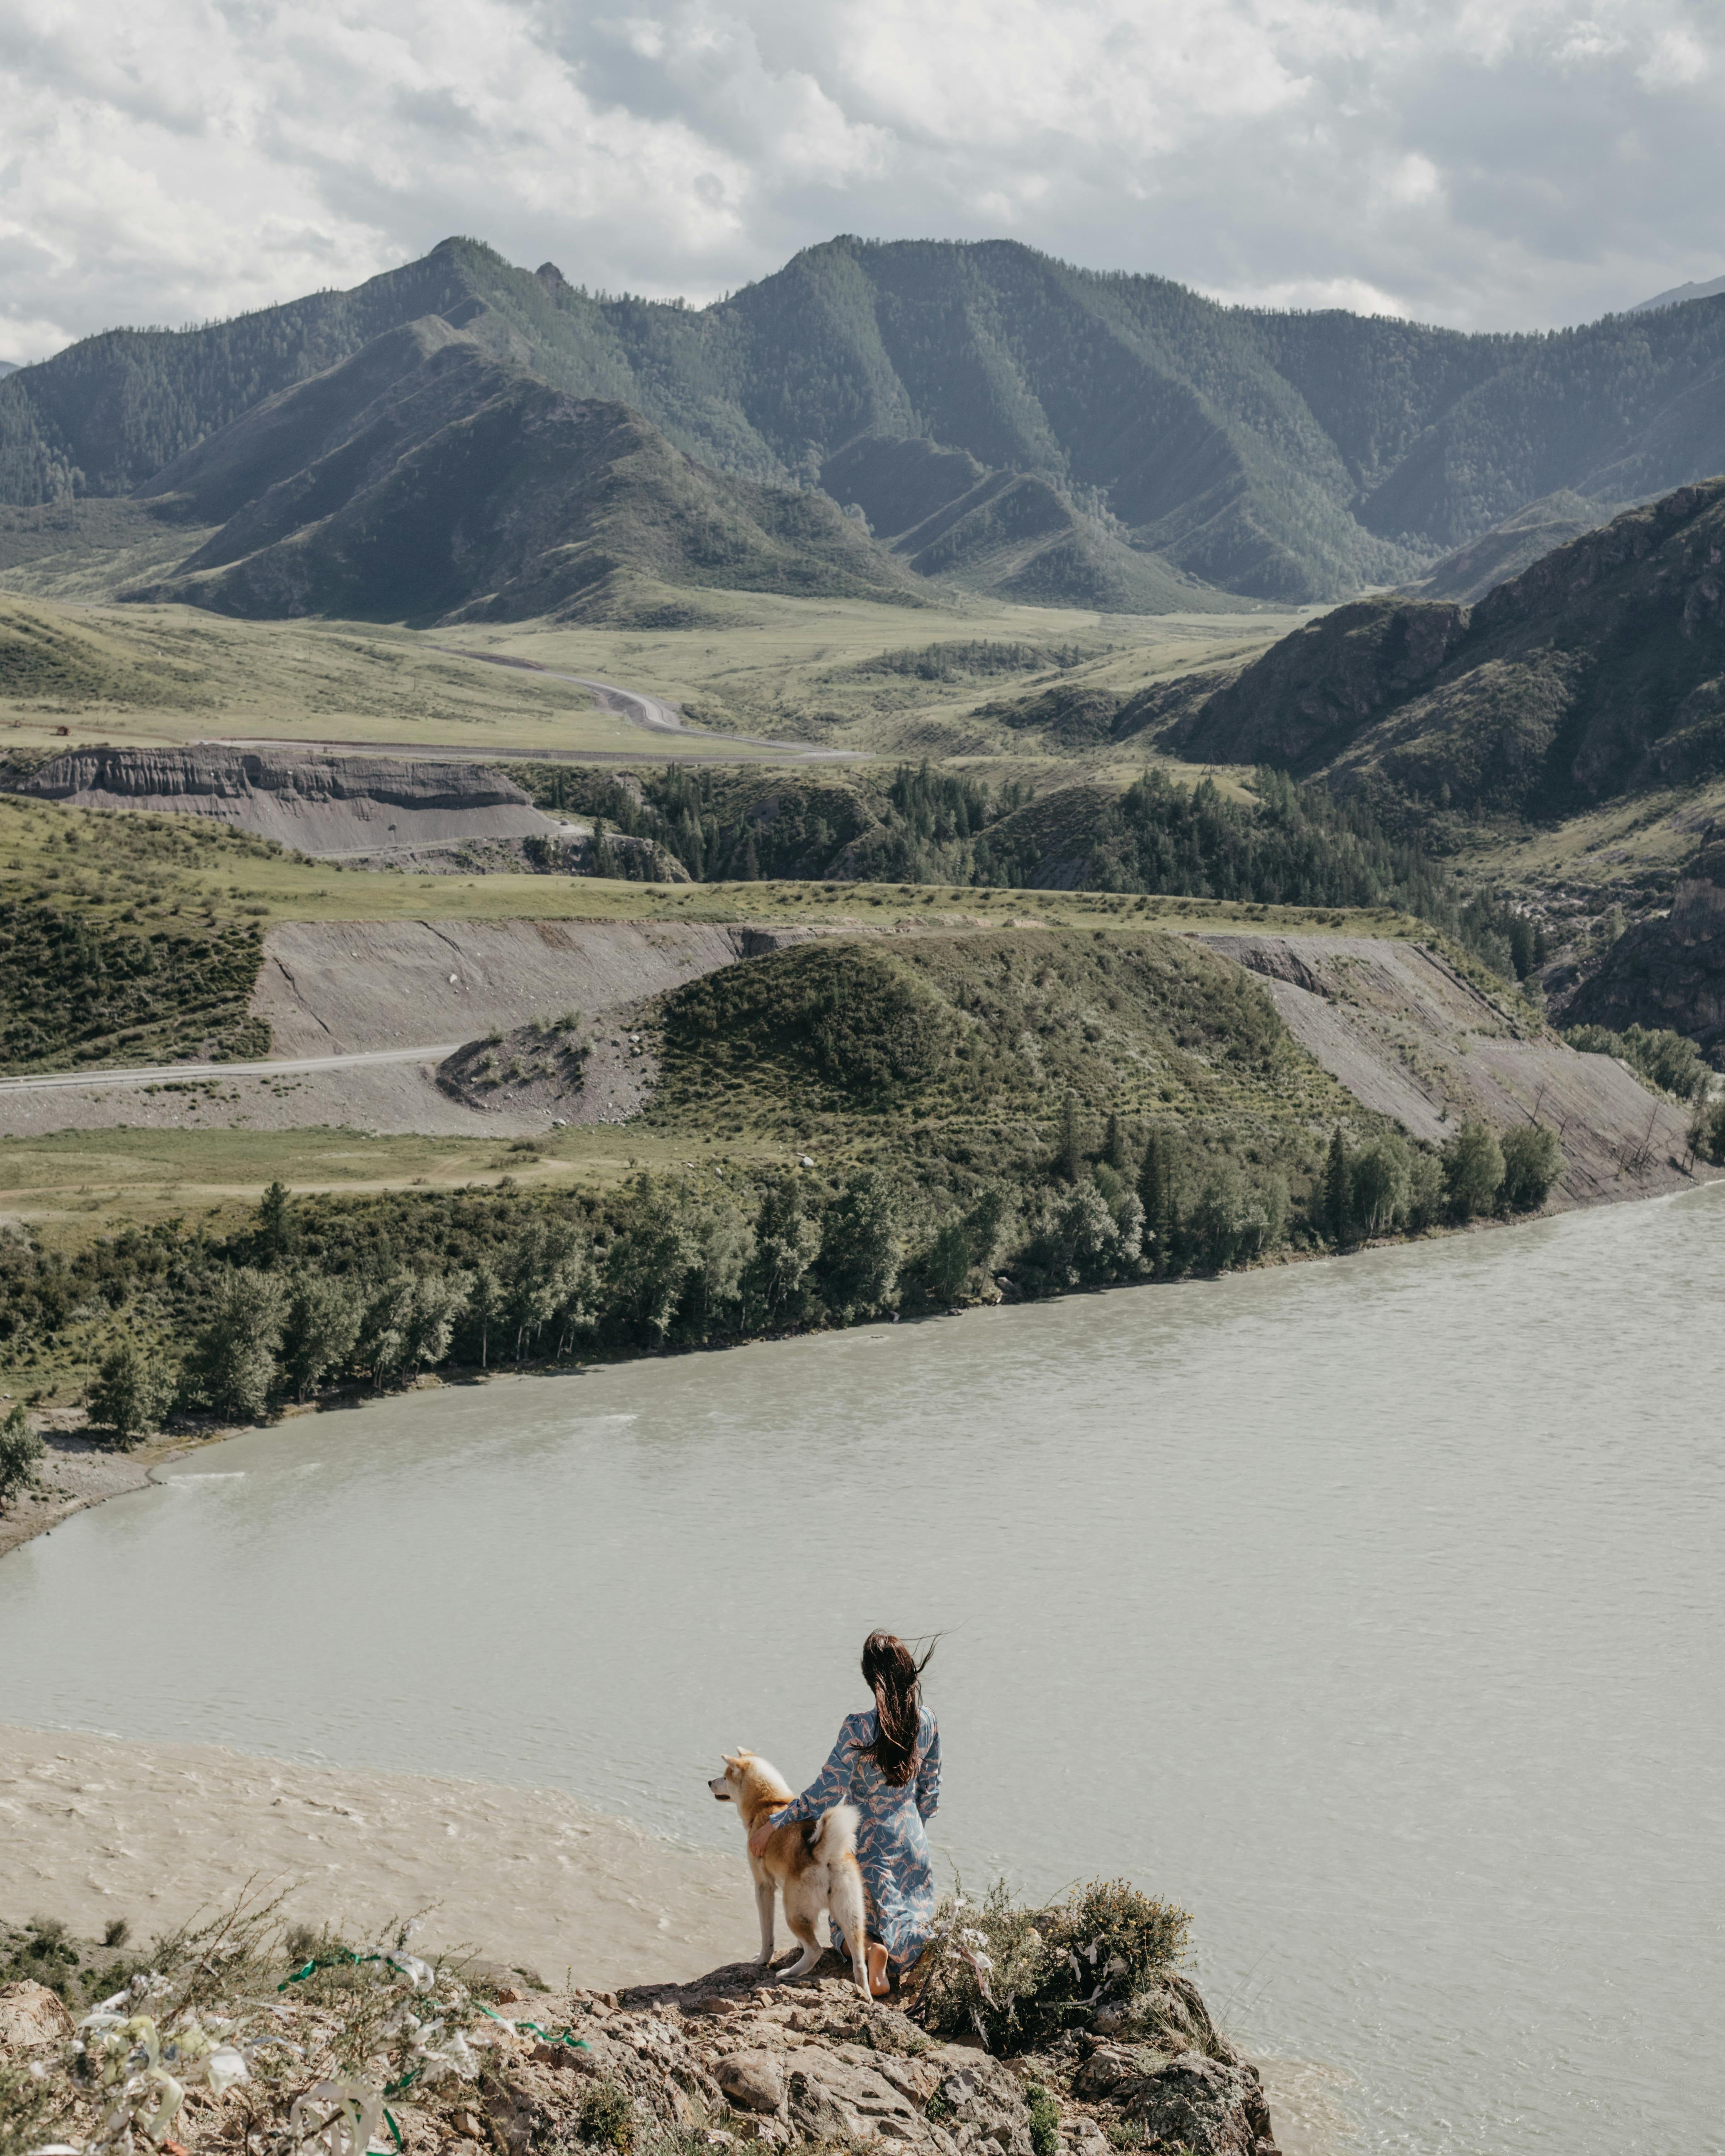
(1463, 161)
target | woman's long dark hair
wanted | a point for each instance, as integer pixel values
(893, 1674)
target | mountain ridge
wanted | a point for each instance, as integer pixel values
(1596, 672)
(1286, 457)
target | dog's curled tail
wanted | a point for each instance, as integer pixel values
(835, 1837)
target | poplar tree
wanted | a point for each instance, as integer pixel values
(1339, 1191)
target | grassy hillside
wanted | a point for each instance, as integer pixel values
(131, 939)
(1290, 456)
(973, 1037)
(116, 944)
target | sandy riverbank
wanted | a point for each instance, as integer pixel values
(93, 1828)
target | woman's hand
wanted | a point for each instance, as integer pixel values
(760, 1837)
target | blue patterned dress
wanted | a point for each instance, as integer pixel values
(891, 1848)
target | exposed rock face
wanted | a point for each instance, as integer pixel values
(31, 2017)
(317, 801)
(1669, 972)
(795, 2065)
(334, 987)
(1411, 1037)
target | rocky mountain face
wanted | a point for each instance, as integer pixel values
(1289, 457)
(1669, 970)
(317, 803)
(1598, 671)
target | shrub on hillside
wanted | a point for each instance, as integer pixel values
(858, 1018)
(1661, 1058)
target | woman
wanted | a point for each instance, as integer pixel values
(887, 1763)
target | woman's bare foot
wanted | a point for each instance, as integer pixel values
(878, 1984)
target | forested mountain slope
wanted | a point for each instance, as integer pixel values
(425, 480)
(1288, 456)
(1598, 671)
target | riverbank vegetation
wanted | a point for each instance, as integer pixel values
(969, 1118)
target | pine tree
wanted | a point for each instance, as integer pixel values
(1115, 1149)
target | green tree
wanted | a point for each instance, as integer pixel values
(320, 1329)
(1115, 1149)
(861, 1247)
(546, 1271)
(944, 1267)
(408, 1324)
(1473, 1170)
(650, 1261)
(1338, 1203)
(20, 1449)
(1229, 1222)
(1156, 1184)
(1707, 1133)
(1380, 1191)
(237, 1351)
(276, 1236)
(988, 1226)
(1533, 1161)
(1426, 1189)
(786, 1244)
(727, 1243)
(132, 1392)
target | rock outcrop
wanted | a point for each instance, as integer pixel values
(1669, 970)
(315, 801)
(812, 2064)
(666, 2070)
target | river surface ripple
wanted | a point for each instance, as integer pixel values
(1370, 1610)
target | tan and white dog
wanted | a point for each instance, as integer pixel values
(812, 1863)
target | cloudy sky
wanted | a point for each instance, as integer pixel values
(1486, 163)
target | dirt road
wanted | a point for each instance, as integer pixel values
(48, 1080)
(653, 712)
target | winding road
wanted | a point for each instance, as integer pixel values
(653, 713)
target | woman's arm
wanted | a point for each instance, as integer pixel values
(928, 1776)
(830, 1787)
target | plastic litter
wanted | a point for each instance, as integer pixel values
(340, 2117)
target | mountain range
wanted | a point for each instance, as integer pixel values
(984, 413)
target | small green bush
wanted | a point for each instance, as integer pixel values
(606, 2118)
(1045, 2120)
(1014, 1977)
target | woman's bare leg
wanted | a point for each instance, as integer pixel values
(878, 1984)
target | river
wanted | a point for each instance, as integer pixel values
(1370, 1610)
